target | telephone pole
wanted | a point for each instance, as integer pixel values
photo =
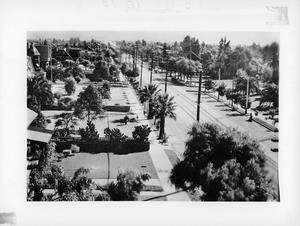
(151, 68)
(166, 75)
(141, 81)
(247, 95)
(199, 96)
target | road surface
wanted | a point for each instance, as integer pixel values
(210, 111)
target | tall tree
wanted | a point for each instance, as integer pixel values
(128, 185)
(164, 107)
(270, 94)
(226, 165)
(39, 93)
(101, 71)
(223, 54)
(65, 122)
(70, 85)
(149, 93)
(271, 56)
(89, 103)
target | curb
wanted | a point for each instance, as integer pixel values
(257, 120)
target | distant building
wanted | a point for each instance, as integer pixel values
(74, 53)
(33, 61)
(61, 55)
(45, 55)
(34, 54)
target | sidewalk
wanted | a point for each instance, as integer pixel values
(160, 160)
(258, 119)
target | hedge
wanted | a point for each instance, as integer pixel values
(104, 146)
(115, 108)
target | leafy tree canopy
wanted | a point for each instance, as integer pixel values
(89, 103)
(226, 165)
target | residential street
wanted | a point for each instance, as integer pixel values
(210, 111)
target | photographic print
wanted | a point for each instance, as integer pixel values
(163, 112)
(152, 116)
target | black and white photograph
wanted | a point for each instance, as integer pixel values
(130, 112)
(160, 119)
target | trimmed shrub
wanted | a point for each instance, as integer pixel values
(115, 108)
(65, 103)
(89, 134)
(104, 196)
(58, 95)
(70, 85)
(103, 146)
(141, 133)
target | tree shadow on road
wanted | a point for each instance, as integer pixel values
(220, 105)
(226, 109)
(234, 114)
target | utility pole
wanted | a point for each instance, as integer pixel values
(199, 96)
(136, 55)
(51, 64)
(133, 58)
(151, 68)
(166, 75)
(247, 95)
(141, 81)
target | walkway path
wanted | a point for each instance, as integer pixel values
(157, 153)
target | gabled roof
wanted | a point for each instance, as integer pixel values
(31, 115)
(35, 51)
(39, 134)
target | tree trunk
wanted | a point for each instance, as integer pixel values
(162, 128)
(150, 110)
(108, 167)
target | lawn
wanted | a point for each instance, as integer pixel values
(97, 164)
(119, 96)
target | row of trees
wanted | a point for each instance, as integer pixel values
(214, 59)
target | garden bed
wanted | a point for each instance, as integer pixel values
(265, 124)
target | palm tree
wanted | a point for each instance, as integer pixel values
(224, 50)
(39, 93)
(164, 107)
(148, 93)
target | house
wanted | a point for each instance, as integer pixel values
(74, 53)
(61, 55)
(31, 71)
(45, 55)
(34, 54)
(37, 138)
(36, 134)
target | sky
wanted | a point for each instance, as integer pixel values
(236, 38)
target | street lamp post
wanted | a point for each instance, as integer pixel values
(199, 96)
